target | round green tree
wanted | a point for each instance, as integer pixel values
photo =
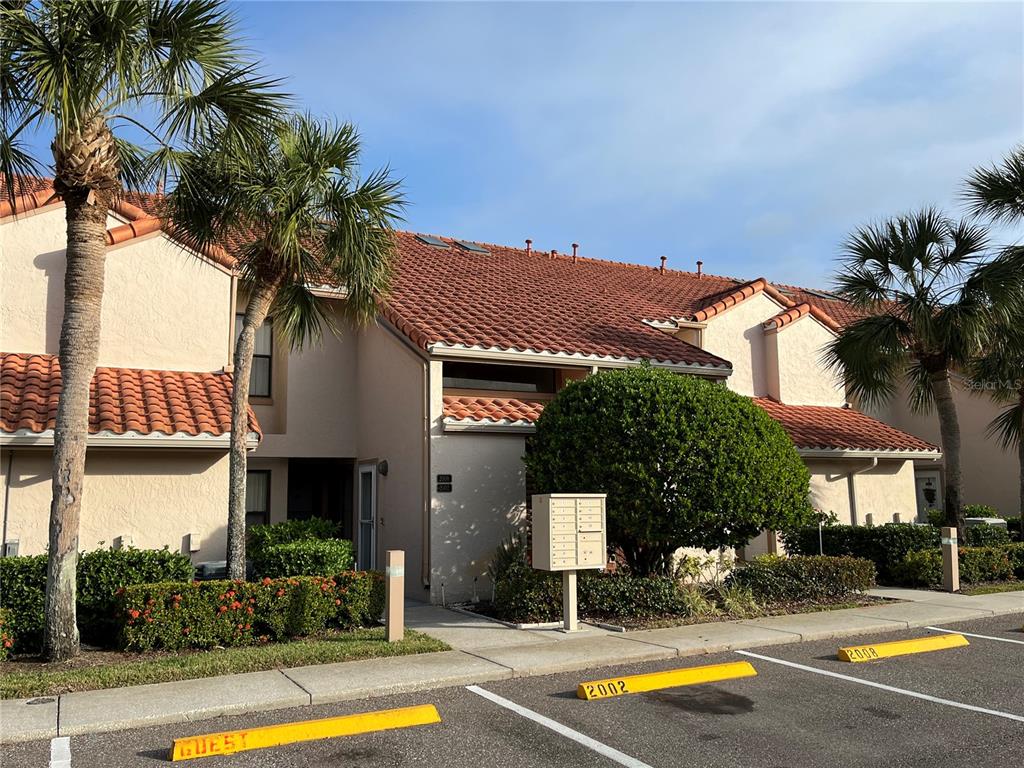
(685, 463)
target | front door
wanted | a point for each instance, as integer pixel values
(929, 492)
(366, 536)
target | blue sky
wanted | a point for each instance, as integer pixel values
(751, 136)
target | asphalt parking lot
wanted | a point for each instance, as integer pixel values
(961, 706)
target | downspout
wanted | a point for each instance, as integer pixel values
(7, 498)
(425, 538)
(853, 487)
(233, 302)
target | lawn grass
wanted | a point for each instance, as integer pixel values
(991, 589)
(113, 670)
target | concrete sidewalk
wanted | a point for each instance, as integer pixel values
(482, 651)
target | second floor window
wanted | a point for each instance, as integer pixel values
(262, 357)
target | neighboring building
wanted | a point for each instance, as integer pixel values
(411, 432)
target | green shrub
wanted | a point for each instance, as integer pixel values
(986, 536)
(1015, 529)
(936, 517)
(204, 614)
(259, 537)
(104, 571)
(23, 593)
(977, 564)
(980, 510)
(8, 634)
(1015, 554)
(304, 557)
(684, 462)
(885, 545)
(100, 574)
(773, 579)
(626, 596)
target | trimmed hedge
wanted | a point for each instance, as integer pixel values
(977, 564)
(774, 579)
(7, 633)
(205, 614)
(304, 557)
(629, 597)
(986, 536)
(259, 537)
(884, 545)
(100, 574)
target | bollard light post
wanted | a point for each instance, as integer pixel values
(394, 595)
(950, 561)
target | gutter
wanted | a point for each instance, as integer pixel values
(130, 440)
(854, 453)
(493, 427)
(442, 351)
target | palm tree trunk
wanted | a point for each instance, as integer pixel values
(255, 314)
(1020, 460)
(949, 429)
(79, 353)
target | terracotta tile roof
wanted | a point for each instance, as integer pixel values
(492, 409)
(511, 299)
(122, 400)
(808, 426)
(824, 428)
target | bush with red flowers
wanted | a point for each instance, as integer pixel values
(204, 614)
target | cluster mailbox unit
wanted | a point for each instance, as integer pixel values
(569, 534)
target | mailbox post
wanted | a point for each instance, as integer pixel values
(569, 534)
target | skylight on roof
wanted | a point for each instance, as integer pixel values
(474, 247)
(436, 242)
(823, 294)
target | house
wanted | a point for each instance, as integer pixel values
(409, 433)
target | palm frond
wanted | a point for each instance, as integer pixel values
(997, 192)
(1008, 426)
(871, 354)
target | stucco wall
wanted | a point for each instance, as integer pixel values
(737, 336)
(162, 308)
(882, 491)
(155, 496)
(991, 474)
(389, 411)
(314, 406)
(803, 378)
(487, 503)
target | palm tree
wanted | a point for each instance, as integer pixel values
(85, 73)
(930, 297)
(997, 194)
(300, 217)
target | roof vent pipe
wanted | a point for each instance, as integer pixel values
(554, 253)
(529, 243)
(575, 247)
(700, 269)
(662, 267)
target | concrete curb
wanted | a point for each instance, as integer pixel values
(190, 700)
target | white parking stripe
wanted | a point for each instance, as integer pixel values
(891, 689)
(969, 634)
(60, 752)
(601, 749)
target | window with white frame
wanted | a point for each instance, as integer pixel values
(262, 357)
(257, 497)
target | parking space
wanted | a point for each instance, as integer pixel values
(804, 708)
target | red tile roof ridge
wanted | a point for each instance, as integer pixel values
(579, 258)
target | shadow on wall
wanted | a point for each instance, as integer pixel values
(470, 524)
(54, 266)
